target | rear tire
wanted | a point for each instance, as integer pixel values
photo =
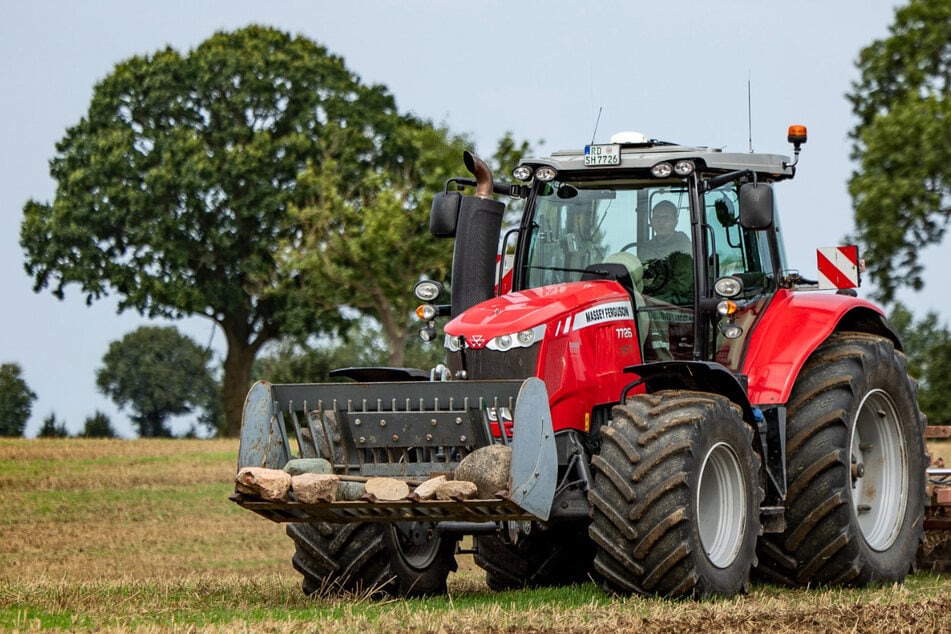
(548, 556)
(856, 469)
(676, 497)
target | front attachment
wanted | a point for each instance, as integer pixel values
(406, 430)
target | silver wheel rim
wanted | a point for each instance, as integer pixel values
(879, 467)
(721, 505)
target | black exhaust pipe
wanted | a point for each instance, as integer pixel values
(477, 241)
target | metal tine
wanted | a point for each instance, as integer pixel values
(393, 406)
(486, 425)
(296, 423)
(407, 406)
(498, 418)
(280, 425)
(327, 433)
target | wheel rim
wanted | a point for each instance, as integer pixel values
(721, 505)
(879, 468)
(415, 546)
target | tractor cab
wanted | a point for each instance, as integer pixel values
(665, 222)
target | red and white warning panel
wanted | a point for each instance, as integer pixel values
(839, 267)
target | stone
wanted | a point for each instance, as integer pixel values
(427, 490)
(308, 465)
(268, 484)
(350, 491)
(311, 488)
(387, 489)
(489, 468)
(457, 490)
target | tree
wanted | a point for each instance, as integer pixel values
(367, 247)
(16, 400)
(157, 373)
(174, 191)
(928, 347)
(902, 187)
(53, 428)
(98, 426)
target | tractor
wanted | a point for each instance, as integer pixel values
(676, 410)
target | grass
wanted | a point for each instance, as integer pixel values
(140, 536)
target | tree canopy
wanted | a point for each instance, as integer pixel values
(16, 400)
(180, 190)
(157, 373)
(901, 188)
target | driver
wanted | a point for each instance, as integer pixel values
(667, 257)
(666, 239)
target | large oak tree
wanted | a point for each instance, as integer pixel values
(902, 186)
(177, 191)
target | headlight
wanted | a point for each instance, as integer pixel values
(662, 170)
(522, 339)
(683, 168)
(427, 290)
(730, 286)
(452, 343)
(546, 174)
(522, 173)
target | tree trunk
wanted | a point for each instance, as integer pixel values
(237, 380)
(393, 331)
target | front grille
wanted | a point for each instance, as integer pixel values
(518, 363)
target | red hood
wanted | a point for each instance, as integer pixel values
(514, 312)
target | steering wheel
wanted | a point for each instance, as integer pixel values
(656, 275)
(628, 246)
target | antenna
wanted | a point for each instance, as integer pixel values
(596, 122)
(749, 110)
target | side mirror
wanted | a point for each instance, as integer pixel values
(756, 206)
(445, 214)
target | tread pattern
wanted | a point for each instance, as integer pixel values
(822, 543)
(644, 518)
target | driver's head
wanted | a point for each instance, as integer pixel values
(664, 218)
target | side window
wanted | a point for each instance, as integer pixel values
(734, 250)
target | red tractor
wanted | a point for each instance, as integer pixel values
(681, 409)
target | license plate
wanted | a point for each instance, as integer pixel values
(602, 155)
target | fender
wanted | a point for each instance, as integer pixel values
(794, 325)
(701, 376)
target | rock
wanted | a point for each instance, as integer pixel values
(350, 491)
(308, 465)
(456, 490)
(311, 488)
(387, 489)
(489, 468)
(268, 484)
(427, 490)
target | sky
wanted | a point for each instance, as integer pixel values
(676, 71)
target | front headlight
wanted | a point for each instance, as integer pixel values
(522, 339)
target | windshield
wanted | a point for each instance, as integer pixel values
(577, 227)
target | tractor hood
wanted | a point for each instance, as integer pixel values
(555, 308)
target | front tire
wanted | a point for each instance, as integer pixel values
(856, 470)
(676, 497)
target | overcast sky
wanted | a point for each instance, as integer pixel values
(675, 71)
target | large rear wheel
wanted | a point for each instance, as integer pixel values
(676, 497)
(856, 470)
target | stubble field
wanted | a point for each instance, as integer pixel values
(119, 535)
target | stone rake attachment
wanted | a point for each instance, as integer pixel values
(407, 430)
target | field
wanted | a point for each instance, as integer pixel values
(119, 535)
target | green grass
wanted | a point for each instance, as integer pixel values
(140, 536)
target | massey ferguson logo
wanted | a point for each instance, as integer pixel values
(476, 341)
